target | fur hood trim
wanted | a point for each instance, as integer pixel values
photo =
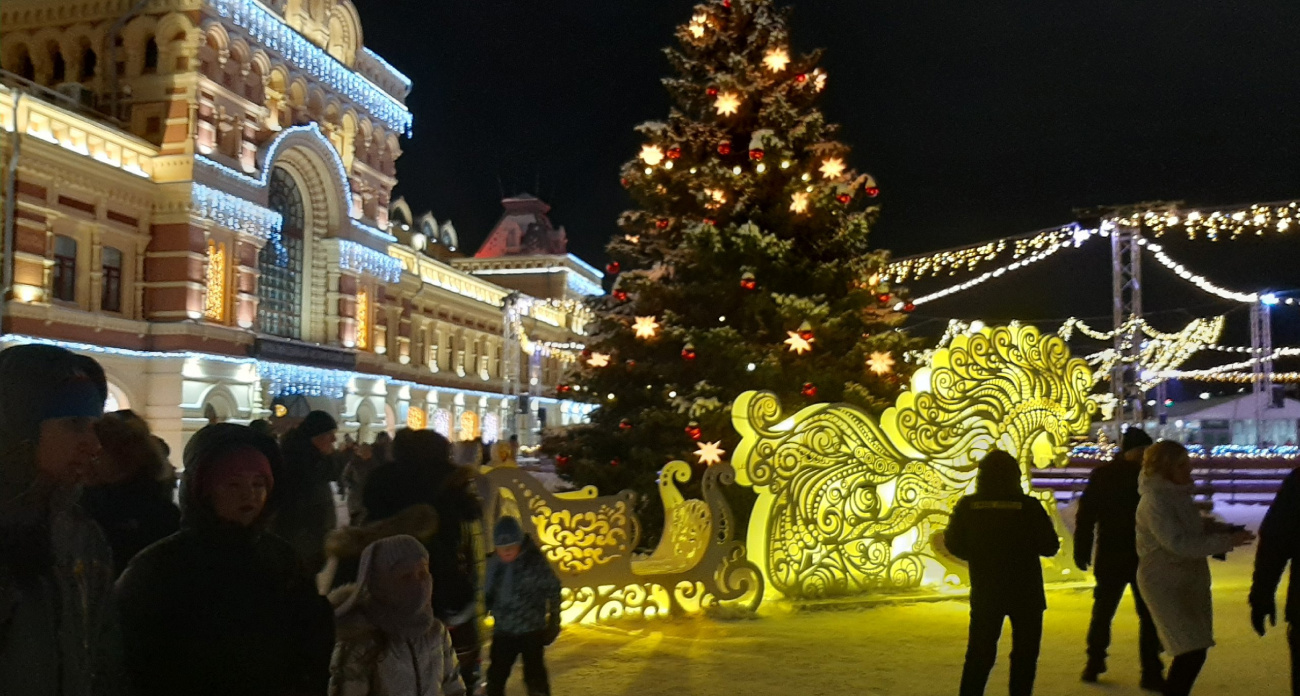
(419, 521)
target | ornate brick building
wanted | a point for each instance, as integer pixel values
(201, 198)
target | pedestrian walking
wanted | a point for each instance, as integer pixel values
(129, 493)
(389, 641)
(421, 473)
(1002, 533)
(363, 462)
(58, 631)
(1173, 544)
(523, 595)
(307, 511)
(1279, 544)
(1107, 512)
(223, 607)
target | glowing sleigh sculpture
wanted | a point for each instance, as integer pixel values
(847, 504)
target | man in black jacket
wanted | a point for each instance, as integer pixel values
(1108, 509)
(1001, 533)
(1279, 544)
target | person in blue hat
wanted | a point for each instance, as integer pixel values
(523, 596)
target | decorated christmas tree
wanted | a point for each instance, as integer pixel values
(744, 264)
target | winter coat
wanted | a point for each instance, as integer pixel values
(217, 609)
(368, 663)
(1173, 571)
(1002, 538)
(353, 482)
(1279, 544)
(133, 515)
(58, 628)
(344, 545)
(306, 512)
(453, 558)
(523, 596)
(1107, 509)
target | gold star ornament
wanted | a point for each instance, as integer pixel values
(776, 59)
(651, 154)
(727, 103)
(645, 327)
(698, 23)
(799, 202)
(710, 452)
(832, 168)
(798, 344)
(598, 360)
(881, 363)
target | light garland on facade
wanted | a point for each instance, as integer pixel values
(233, 212)
(270, 31)
(388, 67)
(1215, 224)
(953, 261)
(362, 259)
(214, 302)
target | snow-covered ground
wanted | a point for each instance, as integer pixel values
(901, 650)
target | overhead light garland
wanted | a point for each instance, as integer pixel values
(990, 275)
(1258, 219)
(967, 259)
(1199, 281)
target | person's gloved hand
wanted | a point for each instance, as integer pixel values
(551, 632)
(1261, 610)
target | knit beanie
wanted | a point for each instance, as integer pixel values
(317, 423)
(207, 448)
(1134, 438)
(410, 611)
(507, 532)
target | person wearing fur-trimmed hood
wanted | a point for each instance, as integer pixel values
(389, 642)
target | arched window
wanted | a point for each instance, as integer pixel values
(279, 291)
(58, 68)
(89, 59)
(23, 65)
(110, 299)
(151, 55)
(65, 268)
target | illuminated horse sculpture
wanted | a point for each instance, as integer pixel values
(849, 505)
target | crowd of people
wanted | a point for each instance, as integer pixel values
(250, 585)
(116, 579)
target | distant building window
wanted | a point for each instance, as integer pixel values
(59, 69)
(214, 306)
(111, 298)
(279, 291)
(151, 55)
(88, 62)
(363, 319)
(65, 268)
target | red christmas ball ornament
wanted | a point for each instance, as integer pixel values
(688, 352)
(726, 4)
(883, 297)
(724, 148)
(613, 267)
(873, 191)
(662, 223)
(674, 153)
(806, 334)
(620, 295)
(563, 388)
(909, 307)
(801, 78)
(693, 431)
(614, 462)
(809, 390)
(630, 364)
(712, 91)
(561, 460)
(844, 198)
(756, 155)
(625, 424)
(747, 281)
(624, 182)
(710, 222)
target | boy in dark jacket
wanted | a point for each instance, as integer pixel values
(523, 596)
(1001, 533)
(1107, 512)
(1279, 544)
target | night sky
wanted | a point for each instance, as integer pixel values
(979, 120)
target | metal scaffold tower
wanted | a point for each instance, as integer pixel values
(1126, 287)
(1261, 365)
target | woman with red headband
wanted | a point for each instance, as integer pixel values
(223, 607)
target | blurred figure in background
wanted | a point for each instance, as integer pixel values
(307, 511)
(222, 607)
(128, 494)
(1279, 545)
(58, 631)
(364, 461)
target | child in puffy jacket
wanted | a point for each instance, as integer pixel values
(523, 596)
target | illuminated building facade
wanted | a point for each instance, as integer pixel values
(202, 201)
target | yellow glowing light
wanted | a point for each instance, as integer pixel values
(727, 103)
(651, 154)
(798, 344)
(632, 238)
(776, 59)
(598, 360)
(710, 452)
(716, 198)
(363, 319)
(818, 80)
(416, 418)
(214, 304)
(281, 411)
(832, 167)
(645, 327)
(469, 426)
(889, 483)
(881, 363)
(799, 202)
(697, 26)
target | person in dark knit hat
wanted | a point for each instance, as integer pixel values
(523, 596)
(58, 631)
(307, 512)
(222, 607)
(1107, 512)
(389, 641)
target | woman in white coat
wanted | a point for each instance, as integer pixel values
(1173, 543)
